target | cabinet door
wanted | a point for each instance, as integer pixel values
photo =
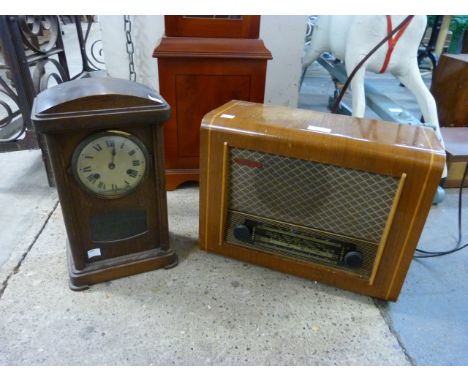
(196, 96)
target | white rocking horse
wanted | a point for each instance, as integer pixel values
(351, 38)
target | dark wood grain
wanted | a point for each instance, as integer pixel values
(67, 115)
(450, 90)
(456, 142)
(456, 146)
(191, 47)
(374, 146)
(183, 26)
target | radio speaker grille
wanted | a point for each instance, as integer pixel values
(340, 200)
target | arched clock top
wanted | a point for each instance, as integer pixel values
(97, 100)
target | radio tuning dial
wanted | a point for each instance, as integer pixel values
(353, 259)
(242, 233)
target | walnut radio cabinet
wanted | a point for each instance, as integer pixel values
(331, 198)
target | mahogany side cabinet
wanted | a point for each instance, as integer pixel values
(450, 90)
(198, 73)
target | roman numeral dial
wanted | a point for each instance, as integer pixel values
(110, 164)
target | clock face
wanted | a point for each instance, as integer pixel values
(110, 164)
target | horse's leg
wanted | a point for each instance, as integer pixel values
(318, 42)
(357, 87)
(311, 55)
(414, 83)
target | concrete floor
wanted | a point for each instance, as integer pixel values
(211, 310)
(26, 202)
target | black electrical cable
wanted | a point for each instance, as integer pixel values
(458, 247)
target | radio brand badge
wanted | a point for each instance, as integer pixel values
(248, 162)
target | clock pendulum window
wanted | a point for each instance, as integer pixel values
(105, 142)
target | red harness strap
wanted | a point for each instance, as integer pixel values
(392, 41)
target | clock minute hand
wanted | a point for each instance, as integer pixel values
(113, 157)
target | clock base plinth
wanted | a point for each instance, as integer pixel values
(111, 269)
(175, 177)
(77, 288)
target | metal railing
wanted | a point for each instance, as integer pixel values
(34, 59)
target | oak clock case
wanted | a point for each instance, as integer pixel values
(105, 140)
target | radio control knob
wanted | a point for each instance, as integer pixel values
(353, 259)
(242, 233)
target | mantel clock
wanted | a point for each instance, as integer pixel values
(105, 141)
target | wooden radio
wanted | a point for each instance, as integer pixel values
(331, 198)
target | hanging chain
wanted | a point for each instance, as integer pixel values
(130, 47)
